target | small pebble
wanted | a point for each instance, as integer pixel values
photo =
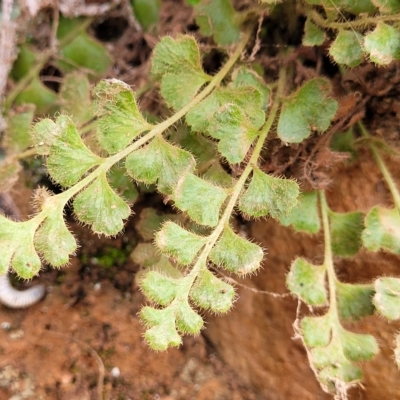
(18, 334)
(94, 261)
(5, 325)
(97, 286)
(115, 372)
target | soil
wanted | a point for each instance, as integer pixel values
(85, 338)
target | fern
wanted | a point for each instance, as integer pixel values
(224, 120)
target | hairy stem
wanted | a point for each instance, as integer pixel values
(328, 262)
(382, 166)
(361, 23)
(237, 189)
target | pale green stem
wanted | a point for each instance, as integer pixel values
(61, 199)
(328, 262)
(26, 154)
(201, 262)
(363, 22)
(382, 166)
(90, 126)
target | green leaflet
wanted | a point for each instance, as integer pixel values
(307, 281)
(82, 51)
(211, 293)
(269, 195)
(200, 199)
(16, 137)
(75, 97)
(347, 49)
(383, 44)
(387, 297)
(17, 249)
(219, 19)
(248, 99)
(382, 230)
(151, 220)
(177, 62)
(160, 161)
(69, 158)
(99, 206)
(152, 283)
(354, 301)
(313, 36)
(358, 347)
(119, 119)
(316, 331)
(245, 77)
(346, 229)
(148, 257)
(187, 320)
(54, 241)
(44, 134)
(122, 184)
(335, 359)
(308, 109)
(334, 368)
(202, 148)
(178, 243)
(304, 216)
(218, 176)
(162, 332)
(236, 254)
(234, 132)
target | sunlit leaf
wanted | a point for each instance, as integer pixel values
(177, 62)
(119, 119)
(99, 206)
